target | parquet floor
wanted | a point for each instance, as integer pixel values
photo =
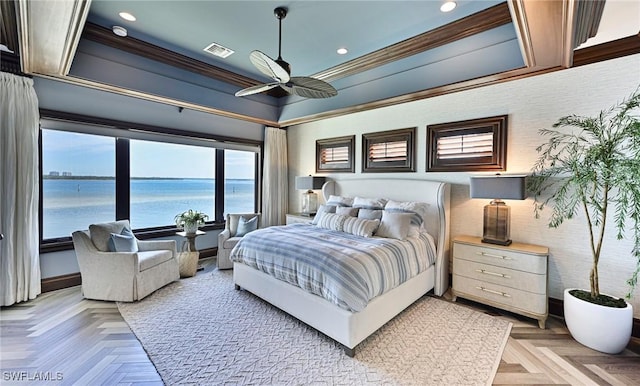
(62, 337)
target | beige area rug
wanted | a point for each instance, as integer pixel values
(202, 331)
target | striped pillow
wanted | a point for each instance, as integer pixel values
(353, 225)
(321, 211)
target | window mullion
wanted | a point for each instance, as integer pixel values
(219, 186)
(123, 180)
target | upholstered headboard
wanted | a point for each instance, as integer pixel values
(434, 193)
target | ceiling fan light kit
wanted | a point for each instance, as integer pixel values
(280, 71)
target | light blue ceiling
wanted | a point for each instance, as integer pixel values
(312, 31)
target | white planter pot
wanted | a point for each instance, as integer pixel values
(191, 228)
(601, 328)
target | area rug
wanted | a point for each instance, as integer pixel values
(201, 330)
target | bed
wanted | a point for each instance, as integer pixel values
(345, 325)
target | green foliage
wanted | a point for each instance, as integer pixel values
(593, 168)
(190, 217)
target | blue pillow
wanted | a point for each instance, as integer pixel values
(245, 226)
(123, 242)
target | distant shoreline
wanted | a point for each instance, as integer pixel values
(48, 177)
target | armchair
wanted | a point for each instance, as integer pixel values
(122, 276)
(228, 238)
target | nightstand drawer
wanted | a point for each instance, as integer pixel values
(531, 282)
(494, 294)
(501, 257)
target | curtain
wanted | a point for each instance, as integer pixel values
(19, 190)
(275, 182)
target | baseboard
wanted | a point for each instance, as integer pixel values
(556, 307)
(59, 282)
(208, 252)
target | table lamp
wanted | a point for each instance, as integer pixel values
(496, 224)
(309, 197)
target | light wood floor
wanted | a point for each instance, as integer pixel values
(62, 336)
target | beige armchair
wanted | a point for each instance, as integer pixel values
(227, 239)
(122, 276)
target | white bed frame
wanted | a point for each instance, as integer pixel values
(351, 328)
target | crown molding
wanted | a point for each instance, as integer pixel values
(605, 51)
(473, 24)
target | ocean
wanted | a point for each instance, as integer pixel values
(73, 204)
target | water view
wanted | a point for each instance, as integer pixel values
(74, 203)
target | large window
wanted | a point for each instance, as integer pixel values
(94, 171)
(167, 179)
(78, 181)
(239, 181)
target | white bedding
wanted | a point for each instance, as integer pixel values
(347, 270)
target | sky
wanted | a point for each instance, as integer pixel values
(94, 155)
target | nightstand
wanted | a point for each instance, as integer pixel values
(513, 278)
(294, 218)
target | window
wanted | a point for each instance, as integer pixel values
(335, 154)
(473, 145)
(239, 181)
(95, 170)
(167, 179)
(389, 151)
(76, 192)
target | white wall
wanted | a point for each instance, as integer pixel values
(532, 104)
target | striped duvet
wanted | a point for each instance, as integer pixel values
(346, 270)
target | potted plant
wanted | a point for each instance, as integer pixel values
(190, 220)
(594, 169)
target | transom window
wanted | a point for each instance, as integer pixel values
(389, 151)
(473, 145)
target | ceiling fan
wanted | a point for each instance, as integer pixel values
(280, 72)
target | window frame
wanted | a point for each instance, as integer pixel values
(407, 134)
(122, 177)
(497, 125)
(343, 167)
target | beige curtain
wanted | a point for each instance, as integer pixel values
(275, 182)
(19, 126)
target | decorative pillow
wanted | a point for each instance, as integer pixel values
(245, 226)
(101, 233)
(347, 211)
(360, 227)
(418, 209)
(332, 221)
(322, 210)
(340, 201)
(123, 242)
(353, 225)
(369, 203)
(394, 225)
(370, 214)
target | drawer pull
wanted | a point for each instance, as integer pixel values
(493, 273)
(506, 295)
(491, 255)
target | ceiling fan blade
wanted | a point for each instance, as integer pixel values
(257, 89)
(308, 87)
(269, 67)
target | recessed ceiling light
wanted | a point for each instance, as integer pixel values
(448, 6)
(342, 51)
(127, 16)
(120, 31)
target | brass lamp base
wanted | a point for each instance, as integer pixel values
(496, 227)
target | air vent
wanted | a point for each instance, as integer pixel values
(218, 50)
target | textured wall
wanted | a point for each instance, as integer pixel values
(532, 104)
